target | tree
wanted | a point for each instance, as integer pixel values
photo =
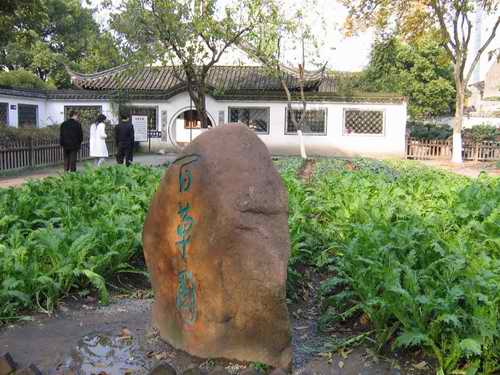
(267, 47)
(44, 36)
(421, 71)
(452, 18)
(23, 79)
(189, 35)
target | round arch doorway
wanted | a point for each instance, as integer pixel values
(186, 126)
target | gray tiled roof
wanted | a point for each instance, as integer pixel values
(220, 78)
(242, 83)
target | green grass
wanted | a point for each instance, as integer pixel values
(414, 249)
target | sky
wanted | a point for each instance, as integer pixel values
(338, 52)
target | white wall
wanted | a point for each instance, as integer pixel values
(333, 143)
(16, 100)
(390, 144)
(55, 109)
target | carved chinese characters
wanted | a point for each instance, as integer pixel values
(186, 286)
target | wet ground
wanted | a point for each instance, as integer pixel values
(86, 338)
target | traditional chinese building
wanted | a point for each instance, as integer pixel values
(336, 124)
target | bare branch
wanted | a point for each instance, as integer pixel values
(481, 50)
(444, 30)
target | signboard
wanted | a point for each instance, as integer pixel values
(140, 124)
(13, 107)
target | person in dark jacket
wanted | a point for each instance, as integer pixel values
(124, 136)
(71, 137)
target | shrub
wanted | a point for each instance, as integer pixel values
(483, 132)
(8, 133)
(425, 131)
(21, 78)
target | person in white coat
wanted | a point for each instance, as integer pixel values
(98, 148)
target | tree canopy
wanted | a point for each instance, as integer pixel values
(190, 35)
(421, 71)
(43, 36)
(452, 19)
(21, 78)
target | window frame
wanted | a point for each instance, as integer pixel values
(268, 110)
(7, 113)
(37, 115)
(324, 133)
(67, 108)
(378, 135)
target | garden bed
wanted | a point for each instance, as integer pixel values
(405, 257)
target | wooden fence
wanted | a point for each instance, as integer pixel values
(442, 149)
(32, 153)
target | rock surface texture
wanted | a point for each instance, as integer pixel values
(216, 245)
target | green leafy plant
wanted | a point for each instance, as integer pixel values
(414, 249)
(70, 233)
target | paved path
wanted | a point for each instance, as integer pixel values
(24, 175)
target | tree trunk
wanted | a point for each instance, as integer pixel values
(457, 122)
(302, 145)
(199, 98)
(203, 110)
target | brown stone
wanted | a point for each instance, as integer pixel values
(31, 370)
(249, 371)
(192, 370)
(7, 364)
(278, 371)
(163, 369)
(219, 370)
(216, 246)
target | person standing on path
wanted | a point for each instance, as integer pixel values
(124, 135)
(71, 137)
(98, 148)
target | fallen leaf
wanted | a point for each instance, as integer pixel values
(326, 354)
(125, 333)
(364, 320)
(420, 366)
(161, 355)
(341, 364)
(345, 353)
(303, 327)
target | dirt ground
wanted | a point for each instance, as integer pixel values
(468, 168)
(86, 338)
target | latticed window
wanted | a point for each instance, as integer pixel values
(27, 115)
(4, 113)
(314, 123)
(88, 113)
(256, 119)
(363, 122)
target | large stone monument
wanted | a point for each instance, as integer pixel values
(216, 245)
